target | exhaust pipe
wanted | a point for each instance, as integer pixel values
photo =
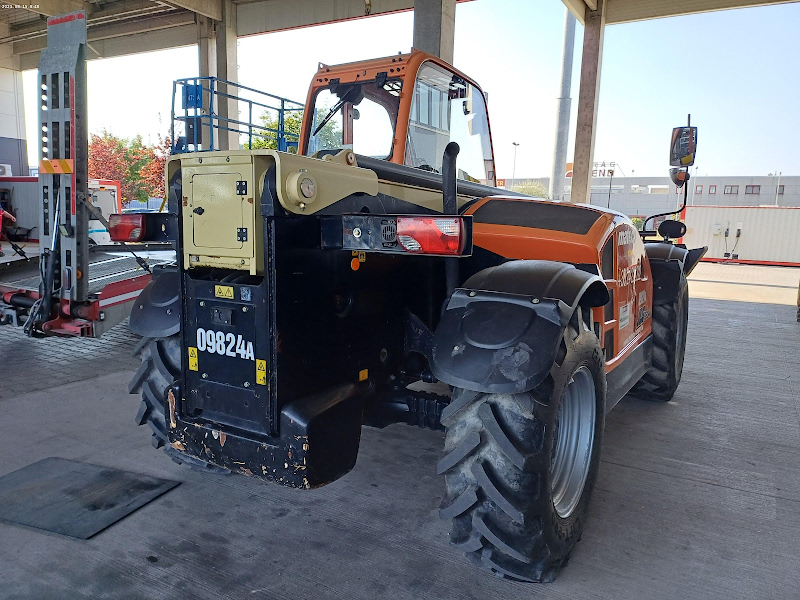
(450, 207)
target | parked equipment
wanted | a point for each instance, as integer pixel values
(74, 292)
(106, 198)
(313, 289)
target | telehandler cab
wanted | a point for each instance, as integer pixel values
(312, 288)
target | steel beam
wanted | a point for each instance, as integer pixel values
(577, 8)
(277, 15)
(207, 8)
(52, 8)
(8, 60)
(117, 29)
(587, 103)
(118, 11)
(626, 11)
(162, 39)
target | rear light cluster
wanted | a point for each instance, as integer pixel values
(435, 235)
(431, 235)
(127, 228)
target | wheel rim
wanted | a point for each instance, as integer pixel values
(572, 455)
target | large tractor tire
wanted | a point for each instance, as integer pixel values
(670, 322)
(520, 468)
(161, 366)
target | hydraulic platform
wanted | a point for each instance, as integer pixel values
(114, 280)
(67, 287)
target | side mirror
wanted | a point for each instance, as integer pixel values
(670, 229)
(683, 147)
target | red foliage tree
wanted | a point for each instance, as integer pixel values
(152, 173)
(139, 168)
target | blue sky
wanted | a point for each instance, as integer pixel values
(735, 71)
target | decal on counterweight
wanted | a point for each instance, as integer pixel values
(224, 344)
(193, 359)
(261, 372)
(223, 291)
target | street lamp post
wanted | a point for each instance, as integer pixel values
(514, 169)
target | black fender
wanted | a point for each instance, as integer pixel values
(500, 331)
(668, 263)
(157, 310)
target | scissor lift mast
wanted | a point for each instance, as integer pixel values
(63, 172)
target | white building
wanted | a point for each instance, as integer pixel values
(640, 196)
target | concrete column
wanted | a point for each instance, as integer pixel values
(227, 69)
(13, 146)
(206, 47)
(207, 62)
(434, 27)
(587, 103)
(564, 106)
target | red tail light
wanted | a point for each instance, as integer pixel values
(127, 228)
(431, 235)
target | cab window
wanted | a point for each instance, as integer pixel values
(447, 108)
(358, 116)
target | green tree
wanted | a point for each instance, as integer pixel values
(329, 137)
(532, 188)
(291, 124)
(638, 222)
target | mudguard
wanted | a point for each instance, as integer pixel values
(667, 263)
(502, 328)
(157, 310)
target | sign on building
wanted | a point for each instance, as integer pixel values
(604, 169)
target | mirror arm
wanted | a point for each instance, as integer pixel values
(672, 212)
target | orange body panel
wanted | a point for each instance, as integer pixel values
(629, 320)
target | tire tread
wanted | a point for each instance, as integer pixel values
(496, 463)
(661, 381)
(155, 375)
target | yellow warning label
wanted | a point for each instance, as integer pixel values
(261, 371)
(361, 255)
(192, 358)
(223, 291)
(57, 166)
(363, 374)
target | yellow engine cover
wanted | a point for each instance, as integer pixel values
(221, 208)
(220, 200)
